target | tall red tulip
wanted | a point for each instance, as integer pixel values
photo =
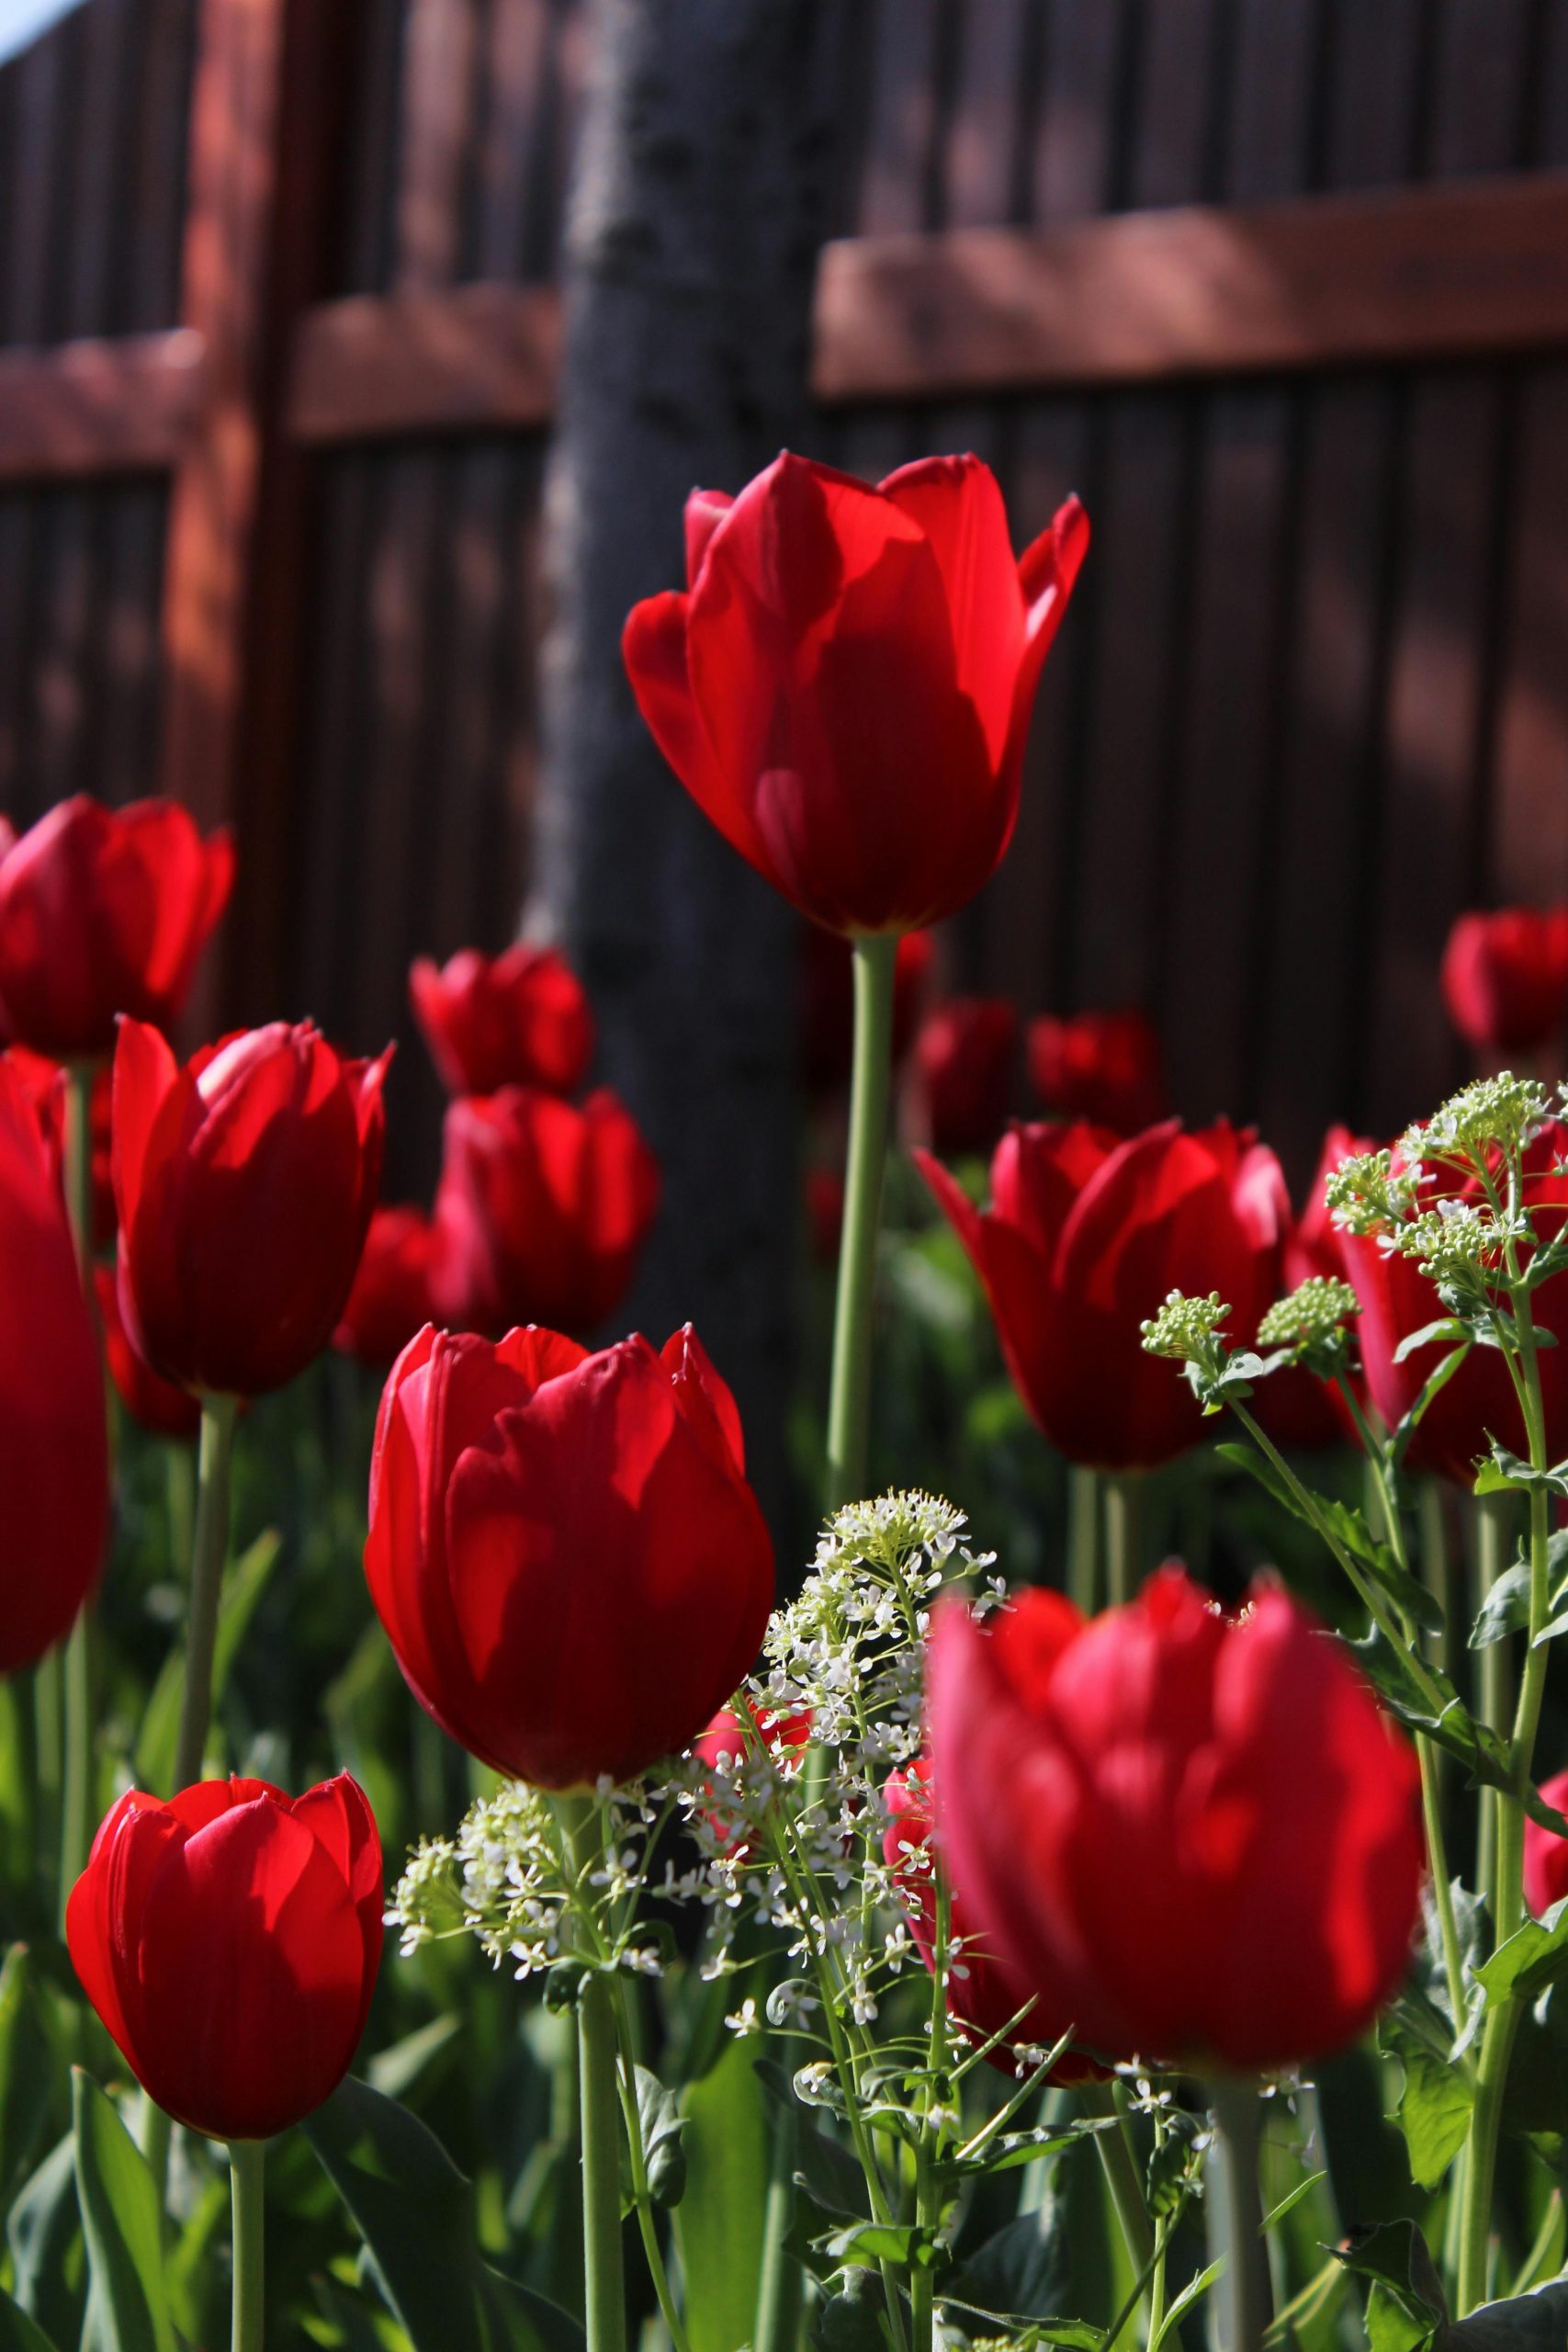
(982, 1996)
(1084, 1237)
(542, 1210)
(564, 1551)
(845, 684)
(104, 911)
(390, 1298)
(1098, 1065)
(245, 1182)
(518, 1019)
(1479, 1403)
(1546, 1854)
(1505, 979)
(44, 1082)
(147, 1396)
(963, 1071)
(53, 1456)
(229, 1940)
(1195, 1836)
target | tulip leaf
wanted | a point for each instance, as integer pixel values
(1018, 2274)
(1533, 2323)
(721, 2221)
(121, 2214)
(18, 2331)
(27, 2078)
(416, 2212)
(660, 2125)
(242, 1589)
(43, 2230)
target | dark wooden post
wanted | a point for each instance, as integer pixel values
(694, 231)
(266, 114)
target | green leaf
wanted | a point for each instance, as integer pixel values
(1020, 2273)
(416, 2212)
(1395, 2256)
(122, 2218)
(1350, 1531)
(395, 2070)
(1440, 1377)
(26, 2077)
(1534, 1957)
(1506, 1608)
(721, 2220)
(660, 2123)
(43, 2230)
(242, 1589)
(1504, 1473)
(1434, 2114)
(907, 2244)
(1290, 2199)
(1193, 2290)
(1446, 1329)
(828, 2173)
(1534, 2323)
(18, 2331)
(855, 2319)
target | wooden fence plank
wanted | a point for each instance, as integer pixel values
(124, 405)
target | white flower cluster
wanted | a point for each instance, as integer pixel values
(784, 1829)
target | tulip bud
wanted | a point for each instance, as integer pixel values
(229, 1940)
(964, 1063)
(845, 686)
(1505, 979)
(244, 1184)
(541, 1211)
(519, 1019)
(390, 1298)
(1098, 1065)
(563, 1548)
(104, 911)
(1194, 1836)
(1084, 1237)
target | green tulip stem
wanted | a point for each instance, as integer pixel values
(1124, 1535)
(780, 2282)
(603, 2285)
(1123, 2178)
(1083, 1537)
(849, 1406)
(247, 2182)
(208, 1552)
(76, 1808)
(1236, 2215)
(1494, 1528)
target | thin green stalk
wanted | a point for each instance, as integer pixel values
(1493, 1529)
(76, 1808)
(870, 1084)
(1122, 2179)
(248, 2181)
(1083, 1537)
(642, 2195)
(1435, 1564)
(1124, 1535)
(208, 1552)
(779, 2283)
(603, 2274)
(1236, 2216)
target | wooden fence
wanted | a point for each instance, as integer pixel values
(1281, 286)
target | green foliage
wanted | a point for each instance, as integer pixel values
(129, 2300)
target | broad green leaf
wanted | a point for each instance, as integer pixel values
(904, 2243)
(395, 2072)
(1504, 1473)
(1506, 1608)
(1018, 2274)
(121, 2216)
(721, 2220)
(416, 2212)
(44, 2231)
(27, 2076)
(1535, 1956)
(242, 1589)
(1434, 2114)
(1534, 2323)
(1395, 2257)
(18, 2331)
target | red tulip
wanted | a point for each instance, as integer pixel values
(518, 1019)
(1194, 1836)
(53, 1453)
(390, 1298)
(1505, 979)
(963, 1072)
(723, 1747)
(564, 1551)
(229, 1940)
(1546, 1854)
(982, 1998)
(845, 685)
(245, 1182)
(44, 1082)
(1084, 1238)
(105, 911)
(1098, 1065)
(828, 1003)
(542, 1210)
(147, 1396)
(1479, 1403)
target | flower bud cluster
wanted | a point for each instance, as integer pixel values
(1316, 1311)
